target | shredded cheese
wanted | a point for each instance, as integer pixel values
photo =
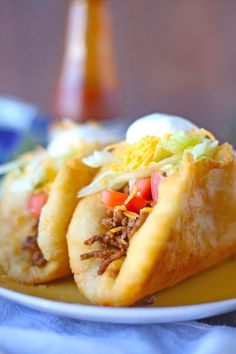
(123, 242)
(150, 153)
(134, 156)
(116, 229)
(121, 207)
(146, 210)
(140, 154)
(131, 214)
(132, 195)
(131, 157)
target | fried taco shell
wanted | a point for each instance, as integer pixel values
(191, 228)
(16, 224)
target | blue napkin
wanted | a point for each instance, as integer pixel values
(22, 127)
(24, 331)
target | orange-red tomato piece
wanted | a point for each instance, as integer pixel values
(36, 202)
(136, 203)
(156, 179)
(144, 187)
(111, 199)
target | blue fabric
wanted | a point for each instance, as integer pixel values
(24, 331)
(9, 140)
(22, 127)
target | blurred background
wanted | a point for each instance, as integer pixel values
(172, 56)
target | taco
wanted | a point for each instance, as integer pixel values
(38, 200)
(161, 210)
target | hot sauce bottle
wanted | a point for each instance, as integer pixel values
(87, 84)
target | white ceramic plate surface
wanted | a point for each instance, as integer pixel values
(133, 315)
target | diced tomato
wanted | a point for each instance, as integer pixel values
(156, 179)
(36, 203)
(112, 199)
(144, 187)
(136, 203)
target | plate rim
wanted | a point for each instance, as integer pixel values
(125, 315)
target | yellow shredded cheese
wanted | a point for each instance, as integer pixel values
(131, 214)
(132, 195)
(134, 156)
(123, 242)
(116, 229)
(131, 157)
(147, 210)
(141, 153)
(121, 207)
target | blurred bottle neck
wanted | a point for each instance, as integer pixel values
(87, 85)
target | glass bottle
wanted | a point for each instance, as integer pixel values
(87, 84)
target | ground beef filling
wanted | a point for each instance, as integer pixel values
(114, 245)
(31, 244)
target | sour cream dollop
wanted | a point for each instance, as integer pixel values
(73, 137)
(157, 124)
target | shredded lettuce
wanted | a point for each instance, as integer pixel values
(179, 141)
(161, 153)
(21, 185)
(98, 184)
(169, 160)
(38, 171)
(166, 159)
(11, 166)
(116, 180)
(204, 149)
(99, 159)
(175, 144)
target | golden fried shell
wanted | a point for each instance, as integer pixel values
(192, 227)
(16, 225)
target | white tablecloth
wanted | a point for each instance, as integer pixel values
(23, 331)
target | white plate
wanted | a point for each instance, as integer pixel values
(133, 315)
